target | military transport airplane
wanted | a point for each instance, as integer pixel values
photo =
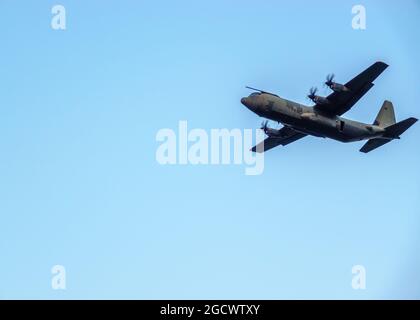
(324, 118)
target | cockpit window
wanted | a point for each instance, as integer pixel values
(254, 94)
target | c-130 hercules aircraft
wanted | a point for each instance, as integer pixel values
(324, 118)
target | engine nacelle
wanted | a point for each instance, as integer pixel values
(320, 100)
(273, 132)
(338, 87)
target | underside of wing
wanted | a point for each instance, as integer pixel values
(343, 101)
(289, 135)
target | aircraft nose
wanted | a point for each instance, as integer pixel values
(249, 104)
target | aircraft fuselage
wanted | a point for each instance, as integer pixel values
(309, 120)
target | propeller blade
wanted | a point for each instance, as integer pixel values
(312, 93)
(330, 79)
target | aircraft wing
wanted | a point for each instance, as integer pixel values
(341, 102)
(287, 135)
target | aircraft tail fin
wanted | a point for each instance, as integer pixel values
(386, 115)
(391, 132)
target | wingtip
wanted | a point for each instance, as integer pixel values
(257, 149)
(382, 64)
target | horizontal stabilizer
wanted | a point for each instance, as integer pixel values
(399, 128)
(392, 132)
(372, 144)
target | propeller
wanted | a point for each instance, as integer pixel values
(312, 93)
(264, 125)
(330, 80)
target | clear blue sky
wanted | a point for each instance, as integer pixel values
(80, 186)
